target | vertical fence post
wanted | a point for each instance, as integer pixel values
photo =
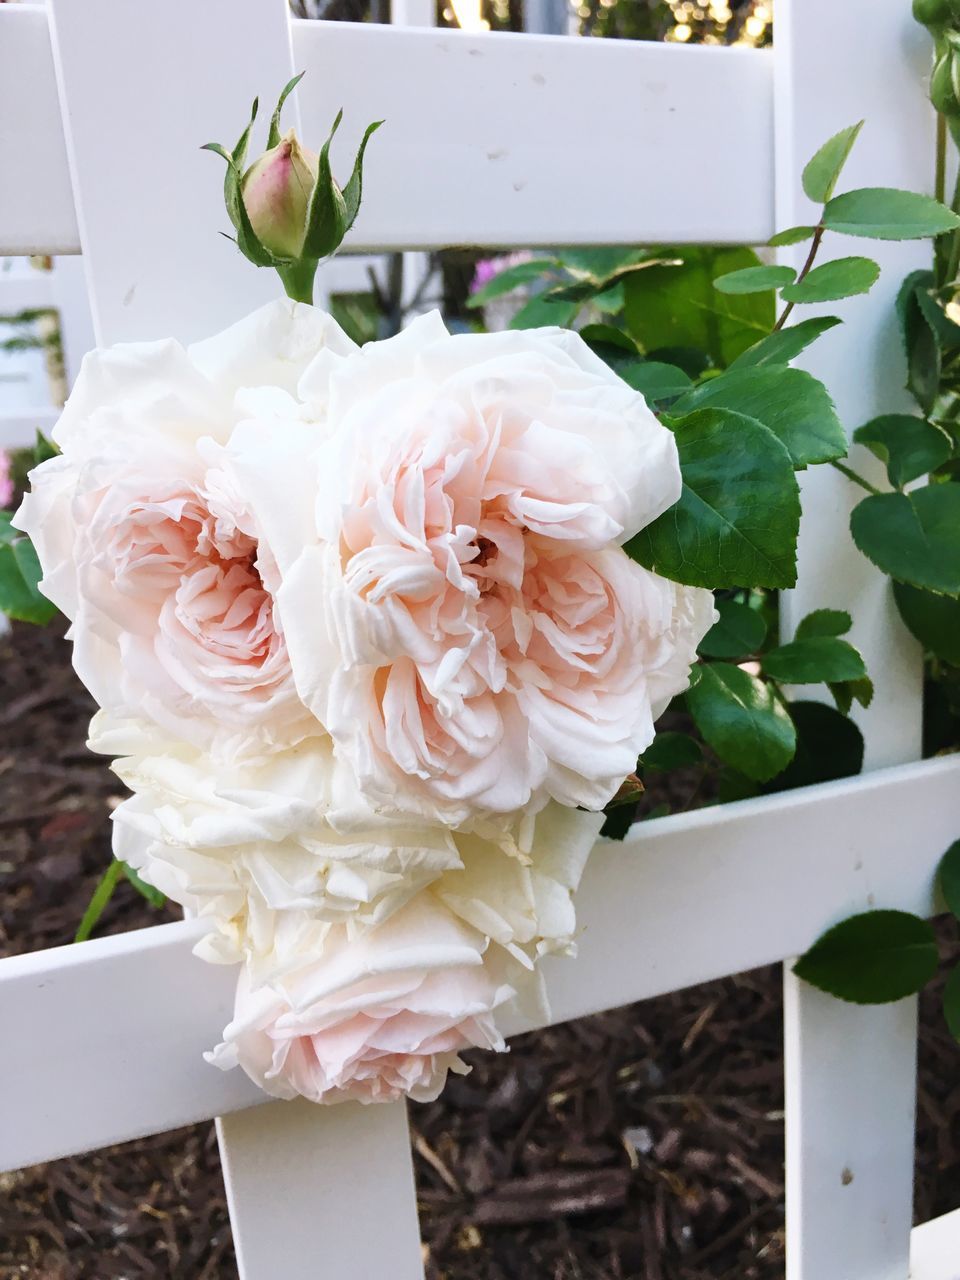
(142, 87)
(546, 17)
(850, 1071)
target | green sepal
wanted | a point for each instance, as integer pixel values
(327, 214)
(353, 191)
(273, 137)
(247, 240)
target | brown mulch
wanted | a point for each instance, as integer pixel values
(641, 1144)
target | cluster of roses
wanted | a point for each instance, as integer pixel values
(370, 658)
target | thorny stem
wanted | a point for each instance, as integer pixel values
(804, 272)
(855, 477)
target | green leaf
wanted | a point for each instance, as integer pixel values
(913, 537)
(511, 278)
(44, 449)
(911, 447)
(919, 340)
(951, 1002)
(677, 306)
(655, 381)
(792, 235)
(883, 213)
(933, 619)
(814, 660)
(845, 692)
(20, 572)
(672, 751)
(948, 878)
(353, 191)
(790, 402)
(873, 958)
(842, 278)
(543, 310)
(152, 895)
(739, 511)
(829, 746)
(733, 786)
(821, 173)
(741, 718)
(754, 279)
(824, 622)
(602, 289)
(781, 347)
(599, 337)
(739, 632)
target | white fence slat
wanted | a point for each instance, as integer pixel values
(113, 1033)
(683, 900)
(36, 215)
(473, 155)
(851, 1072)
(322, 1193)
(25, 291)
(850, 1101)
(155, 269)
(880, 78)
(149, 200)
(935, 1249)
(18, 428)
(72, 300)
(413, 13)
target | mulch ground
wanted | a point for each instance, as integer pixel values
(641, 1144)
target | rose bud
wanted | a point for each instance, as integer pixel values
(287, 210)
(276, 193)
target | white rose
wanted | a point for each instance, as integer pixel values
(152, 551)
(463, 620)
(253, 849)
(374, 1018)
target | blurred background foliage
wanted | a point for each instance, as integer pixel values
(741, 22)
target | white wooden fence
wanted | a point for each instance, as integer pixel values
(513, 141)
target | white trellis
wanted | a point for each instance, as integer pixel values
(512, 141)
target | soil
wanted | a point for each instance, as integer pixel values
(641, 1144)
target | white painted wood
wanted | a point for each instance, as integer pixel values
(19, 427)
(548, 17)
(322, 1193)
(72, 300)
(149, 200)
(685, 899)
(413, 13)
(850, 1103)
(453, 164)
(25, 290)
(881, 80)
(851, 1072)
(156, 267)
(111, 1039)
(935, 1249)
(36, 210)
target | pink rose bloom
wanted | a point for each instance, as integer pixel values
(6, 479)
(463, 620)
(384, 1016)
(150, 549)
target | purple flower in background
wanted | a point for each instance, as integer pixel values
(6, 479)
(488, 268)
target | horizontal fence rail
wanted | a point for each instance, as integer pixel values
(118, 1025)
(506, 140)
